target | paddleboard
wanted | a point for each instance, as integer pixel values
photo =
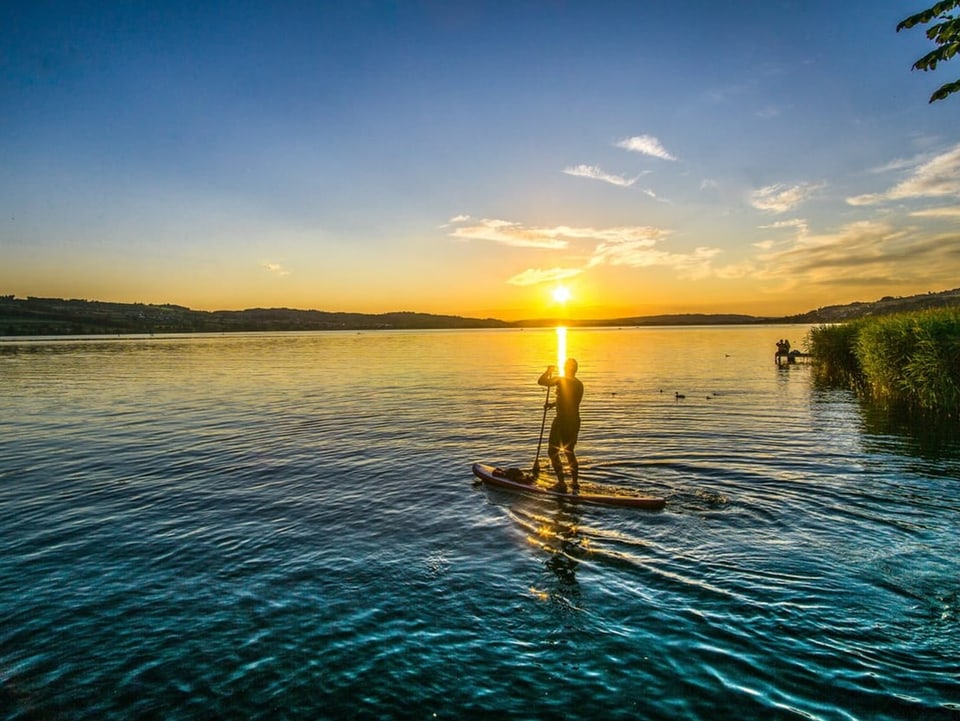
(516, 480)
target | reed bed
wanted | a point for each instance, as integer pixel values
(911, 359)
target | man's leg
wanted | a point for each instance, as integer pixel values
(574, 469)
(554, 445)
(554, 453)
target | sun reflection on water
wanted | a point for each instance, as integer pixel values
(561, 348)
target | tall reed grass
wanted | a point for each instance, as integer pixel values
(909, 358)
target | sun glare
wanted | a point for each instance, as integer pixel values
(561, 294)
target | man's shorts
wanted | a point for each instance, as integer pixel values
(564, 433)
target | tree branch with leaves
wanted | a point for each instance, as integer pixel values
(946, 34)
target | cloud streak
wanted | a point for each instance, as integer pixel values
(797, 224)
(512, 234)
(559, 237)
(628, 246)
(643, 254)
(864, 253)
(951, 212)
(937, 177)
(594, 173)
(647, 145)
(780, 198)
(275, 269)
(536, 276)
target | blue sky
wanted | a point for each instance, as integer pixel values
(467, 157)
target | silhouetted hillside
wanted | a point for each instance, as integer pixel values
(884, 306)
(55, 316)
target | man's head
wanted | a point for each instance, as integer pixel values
(570, 367)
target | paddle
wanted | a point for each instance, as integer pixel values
(543, 423)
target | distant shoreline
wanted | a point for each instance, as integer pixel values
(34, 316)
(159, 335)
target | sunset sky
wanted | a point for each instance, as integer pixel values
(763, 157)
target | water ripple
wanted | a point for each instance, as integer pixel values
(285, 526)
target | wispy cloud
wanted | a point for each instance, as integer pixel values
(594, 173)
(799, 229)
(897, 164)
(638, 249)
(631, 246)
(454, 220)
(780, 198)
(557, 238)
(935, 177)
(949, 212)
(635, 253)
(643, 254)
(733, 271)
(275, 268)
(535, 276)
(512, 234)
(868, 253)
(646, 144)
(797, 224)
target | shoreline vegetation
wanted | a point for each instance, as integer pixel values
(909, 360)
(35, 316)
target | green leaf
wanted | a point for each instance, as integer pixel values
(930, 60)
(945, 32)
(929, 14)
(945, 90)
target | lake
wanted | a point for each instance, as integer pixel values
(285, 526)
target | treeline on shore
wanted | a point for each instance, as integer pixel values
(54, 316)
(35, 316)
(908, 359)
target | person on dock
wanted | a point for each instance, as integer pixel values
(566, 425)
(783, 351)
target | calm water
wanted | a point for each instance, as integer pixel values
(286, 527)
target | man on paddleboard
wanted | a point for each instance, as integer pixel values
(566, 426)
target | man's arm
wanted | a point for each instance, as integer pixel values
(546, 378)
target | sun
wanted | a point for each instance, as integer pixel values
(561, 294)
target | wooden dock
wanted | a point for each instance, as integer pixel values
(791, 358)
